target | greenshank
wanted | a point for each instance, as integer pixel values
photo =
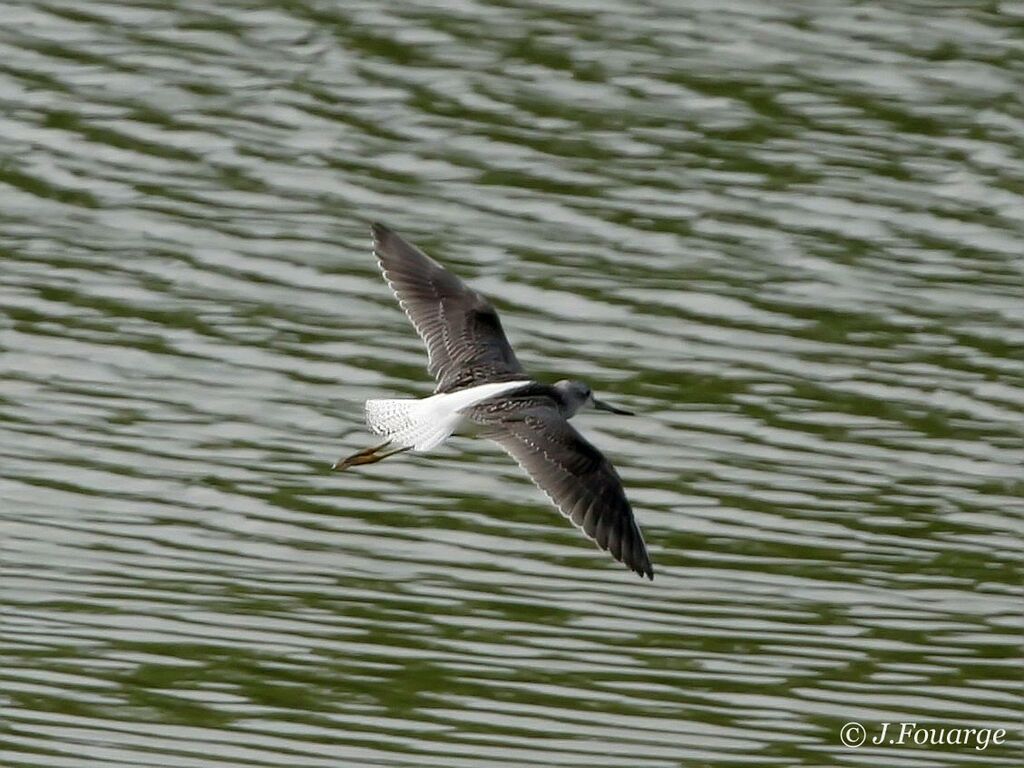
(483, 391)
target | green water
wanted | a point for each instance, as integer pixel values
(790, 236)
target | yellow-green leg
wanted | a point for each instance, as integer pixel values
(367, 456)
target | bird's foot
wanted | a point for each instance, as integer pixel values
(366, 456)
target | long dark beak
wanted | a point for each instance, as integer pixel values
(602, 406)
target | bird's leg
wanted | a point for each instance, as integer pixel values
(367, 456)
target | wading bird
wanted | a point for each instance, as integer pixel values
(483, 391)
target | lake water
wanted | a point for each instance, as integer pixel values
(790, 236)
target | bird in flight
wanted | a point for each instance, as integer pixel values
(483, 391)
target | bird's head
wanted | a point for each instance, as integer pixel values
(576, 395)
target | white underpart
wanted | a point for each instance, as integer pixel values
(426, 423)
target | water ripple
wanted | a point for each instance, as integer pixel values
(788, 236)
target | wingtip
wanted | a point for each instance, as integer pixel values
(380, 231)
(645, 570)
(637, 557)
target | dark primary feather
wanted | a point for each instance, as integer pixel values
(465, 341)
(574, 474)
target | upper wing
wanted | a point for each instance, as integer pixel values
(465, 342)
(580, 481)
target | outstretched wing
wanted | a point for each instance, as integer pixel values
(465, 342)
(578, 479)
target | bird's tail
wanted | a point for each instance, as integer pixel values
(411, 423)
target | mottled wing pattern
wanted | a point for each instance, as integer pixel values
(465, 341)
(574, 474)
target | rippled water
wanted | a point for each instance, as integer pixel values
(789, 235)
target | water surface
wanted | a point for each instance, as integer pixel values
(790, 237)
